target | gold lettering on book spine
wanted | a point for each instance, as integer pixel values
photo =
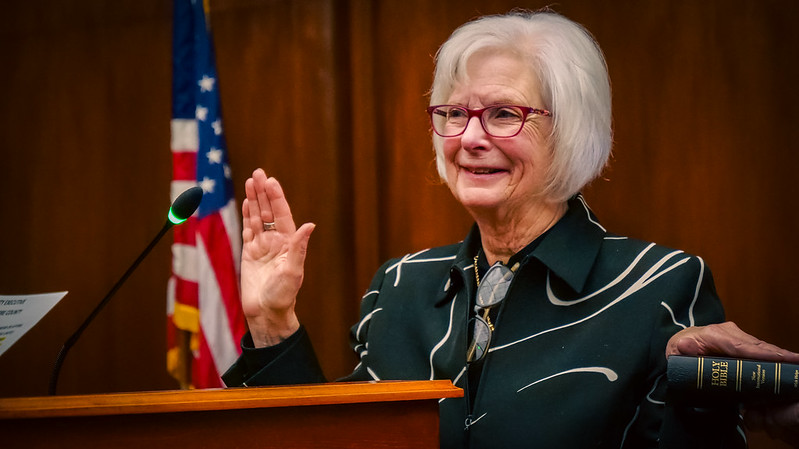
(777, 378)
(739, 368)
(718, 373)
(700, 373)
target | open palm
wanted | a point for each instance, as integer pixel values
(272, 262)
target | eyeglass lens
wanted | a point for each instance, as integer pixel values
(480, 341)
(494, 286)
(498, 121)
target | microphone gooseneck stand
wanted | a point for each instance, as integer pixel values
(182, 208)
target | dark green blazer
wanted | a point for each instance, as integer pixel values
(577, 358)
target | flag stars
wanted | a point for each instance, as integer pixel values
(201, 113)
(206, 83)
(217, 125)
(208, 185)
(214, 156)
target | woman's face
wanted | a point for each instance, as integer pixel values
(490, 174)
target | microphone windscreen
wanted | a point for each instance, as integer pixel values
(185, 205)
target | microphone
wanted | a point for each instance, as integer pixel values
(182, 208)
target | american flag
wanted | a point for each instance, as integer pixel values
(205, 321)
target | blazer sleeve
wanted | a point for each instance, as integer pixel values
(663, 422)
(293, 361)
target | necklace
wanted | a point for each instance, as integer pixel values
(476, 271)
(486, 317)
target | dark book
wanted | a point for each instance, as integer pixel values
(749, 381)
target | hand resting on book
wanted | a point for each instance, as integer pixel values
(727, 339)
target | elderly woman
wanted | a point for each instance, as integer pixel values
(555, 328)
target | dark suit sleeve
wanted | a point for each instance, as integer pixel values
(713, 425)
(662, 422)
(686, 426)
(293, 361)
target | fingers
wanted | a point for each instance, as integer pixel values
(266, 203)
(778, 420)
(716, 339)
(251, 221)
(786, 415)
(279, 211)
(681, 343)
(262, 199)
(725, 339)
(298, 246)
(728, 339)
(260, 210)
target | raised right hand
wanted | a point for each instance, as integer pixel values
(272, 261)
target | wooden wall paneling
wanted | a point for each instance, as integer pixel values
(363, 119)
(85, 124)
(703, 151)
(417, 211)
(282, 68)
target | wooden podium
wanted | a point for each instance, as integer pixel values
(336, 415)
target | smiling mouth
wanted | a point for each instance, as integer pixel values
(483, 170)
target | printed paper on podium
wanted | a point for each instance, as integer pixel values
(19, 313)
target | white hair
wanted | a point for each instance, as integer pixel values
(573, 77)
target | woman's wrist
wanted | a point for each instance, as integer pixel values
(271, 330)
